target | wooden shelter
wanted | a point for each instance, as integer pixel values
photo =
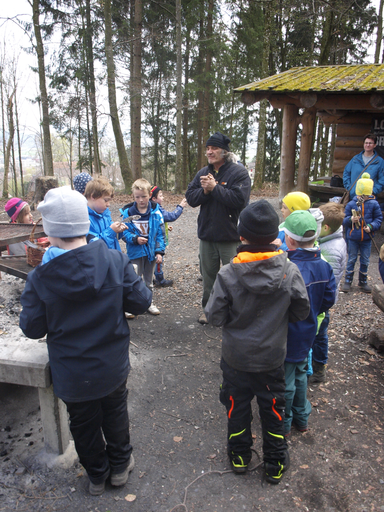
(350, 96)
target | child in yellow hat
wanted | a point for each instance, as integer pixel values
(362, 218)
(291, 202)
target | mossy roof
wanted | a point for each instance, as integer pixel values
(356, 78)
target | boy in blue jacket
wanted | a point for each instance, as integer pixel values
(99, 193)
(145, 237)
(158, 197)
(362, 218)
(300, 234)
(77, 297)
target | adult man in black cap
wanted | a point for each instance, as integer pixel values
(222, 190)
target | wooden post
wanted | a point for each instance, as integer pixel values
(308, 121)
(288, 147)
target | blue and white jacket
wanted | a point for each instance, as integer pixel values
(100, 229)
(370, 213)
(321, 288)
(156, 232)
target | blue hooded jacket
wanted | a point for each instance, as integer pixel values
(100, 229)
(321, 288)
(355, 166)
(156, 232)
(371, 215)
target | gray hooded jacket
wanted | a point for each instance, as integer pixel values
(253, 302)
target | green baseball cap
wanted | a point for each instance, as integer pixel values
(298, 223)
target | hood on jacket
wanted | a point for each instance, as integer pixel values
(262, 275)
(76, 276)
(336, 234)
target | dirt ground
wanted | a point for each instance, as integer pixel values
(178, 426)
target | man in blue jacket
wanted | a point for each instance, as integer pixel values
(222, 190)
(367, 157)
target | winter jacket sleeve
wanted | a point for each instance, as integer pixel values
(329, 296)
(347, 175)
(33, 321)
(300, 305)
(379, 182)
(377, 217)
(101, 230)
(160, 239)
(195, 193)
(218, 305)
(137, 297)
(172, 216)
(237, 195)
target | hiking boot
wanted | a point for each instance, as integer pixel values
(319, 373)
(300, 428)
(118, 479)
(238, 464)
(364, 287)
(346, 286)
(96, 489)
(203, 319)
(163, 283)
(153, 310)
(274, 472)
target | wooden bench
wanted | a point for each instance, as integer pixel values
(25, 362)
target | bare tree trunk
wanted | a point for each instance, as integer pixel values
(48, 161)
(123, 157)
(200, 100)
(7, 154)
(136, 93)
(269, 12)
(19, 146)
(207, 73)
(379, 36)
(179, 101)
(185, 112)
(3, 128)
(92, 88)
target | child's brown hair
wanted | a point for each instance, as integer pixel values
(98, 187)
(25, 211)
(141, 184)
(333, 215)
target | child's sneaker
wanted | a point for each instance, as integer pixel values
(238, 463)
(163, 283)
(118, 479)
(274, 472)
(319, 373)
(96, 489)
(153, 310)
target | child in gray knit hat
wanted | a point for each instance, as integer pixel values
(77, 297)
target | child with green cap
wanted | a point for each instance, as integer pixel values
(300, 234)
(362, 218)
(292, 202)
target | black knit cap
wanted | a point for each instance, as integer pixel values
(218, 140)
(259, 223)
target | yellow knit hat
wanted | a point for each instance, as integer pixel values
(364, 186)
(297, 201)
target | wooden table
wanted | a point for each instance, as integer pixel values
(11, 234)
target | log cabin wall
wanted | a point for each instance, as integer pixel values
(350, 132)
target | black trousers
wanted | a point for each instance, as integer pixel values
(237, 391)
(100, 430)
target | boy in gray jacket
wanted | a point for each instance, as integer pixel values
(253, 299)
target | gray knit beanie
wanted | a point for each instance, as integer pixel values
(65, 213)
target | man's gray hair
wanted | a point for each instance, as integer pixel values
(229, 157)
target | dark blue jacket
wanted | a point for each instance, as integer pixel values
(78, 299)
(370, 213)
(321, 288)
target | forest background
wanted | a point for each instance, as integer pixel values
(129, 89)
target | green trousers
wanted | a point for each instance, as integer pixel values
(210, 255)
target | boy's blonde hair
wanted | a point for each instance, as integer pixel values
(141, 184)
(99, 187)
(333, 215)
